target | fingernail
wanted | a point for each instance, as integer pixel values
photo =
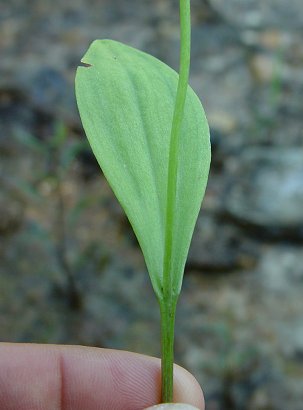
(172, 406)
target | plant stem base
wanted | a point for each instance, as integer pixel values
(168, 312)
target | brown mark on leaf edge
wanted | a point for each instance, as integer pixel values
(83, 64)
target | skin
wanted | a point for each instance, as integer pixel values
(52, 377)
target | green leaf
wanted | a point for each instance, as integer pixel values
(126, 101)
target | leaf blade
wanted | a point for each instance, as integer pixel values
(126, 101)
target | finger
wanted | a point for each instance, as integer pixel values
(45, 377)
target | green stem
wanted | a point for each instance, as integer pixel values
(174, 140)
(168, 312)
(169, 298)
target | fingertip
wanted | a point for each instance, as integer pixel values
(187, 389)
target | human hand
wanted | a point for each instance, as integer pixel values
(52, 377)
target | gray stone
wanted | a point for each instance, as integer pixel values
(219, 247)
(259, 13)
(11, 214)
(266, 190)
(280, 270)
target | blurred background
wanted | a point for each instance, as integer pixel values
(70, 267)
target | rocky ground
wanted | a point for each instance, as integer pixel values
(71, 270)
